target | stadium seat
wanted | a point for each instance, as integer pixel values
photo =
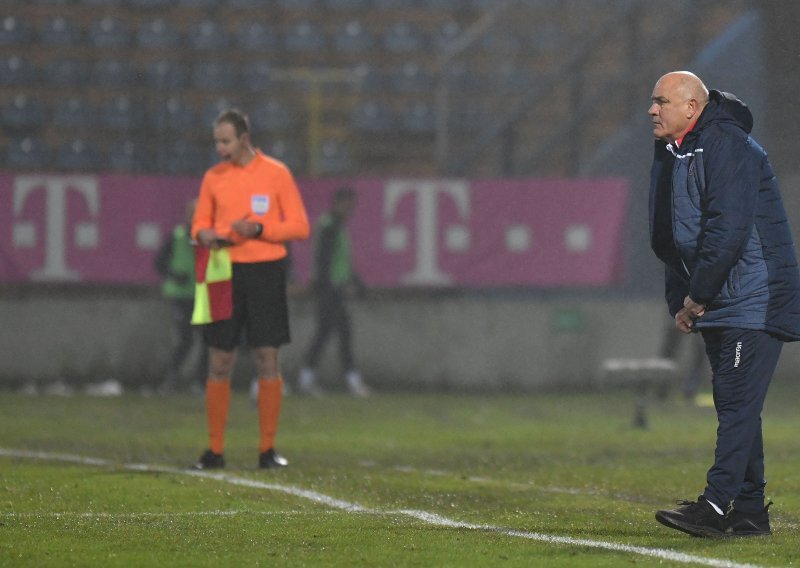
(411, 78)
(352, 36)
(198, 4)
(372, 116)
(70, 72)
(272, 116)
(147, 4)
(287, 152)
(74, 112)
(212, 75)
(257, 75)
(453, 5)
(393, 4)
(77, 154)
(182, 157)
(23, 114)
(208, 35)
(418, 118)
(13, 32)
(113, 73)
(59, 32)
(129, 157)
(257, 36)
(297, 4)
(501, 42)
(101, 2)
(16, 71)
(403, 37)
(173, 114)
(333, 158)
(158, 33)
(27, 153)
(305, 36)
(344, 5)
(165, 74)
(370, 79)
(109, 33)
(122, 113)
(212, 110)
(446, 35)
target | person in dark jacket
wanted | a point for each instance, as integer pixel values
(718, 224)
(334, 281)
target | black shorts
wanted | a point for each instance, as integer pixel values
(259, 308)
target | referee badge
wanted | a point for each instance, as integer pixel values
(259, 204)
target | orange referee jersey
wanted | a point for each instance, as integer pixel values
(263, 191)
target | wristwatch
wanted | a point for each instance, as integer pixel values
(259, 230)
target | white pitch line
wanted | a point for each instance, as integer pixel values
(424, 516)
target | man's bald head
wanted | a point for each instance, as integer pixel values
(677, 101)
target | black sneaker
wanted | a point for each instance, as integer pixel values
(748, 524)
(209, 460)
(271, 459)
(695, 518)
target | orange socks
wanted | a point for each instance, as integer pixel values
(270, 395)
(218, 399)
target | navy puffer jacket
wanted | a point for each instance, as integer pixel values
(718, 223)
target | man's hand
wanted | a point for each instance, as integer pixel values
(246, 228)
(207, 238)
(684, 319)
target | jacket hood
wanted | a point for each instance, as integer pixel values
(725, 107)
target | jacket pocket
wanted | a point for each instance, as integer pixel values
(733, 282)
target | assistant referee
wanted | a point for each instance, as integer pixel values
(250, 203)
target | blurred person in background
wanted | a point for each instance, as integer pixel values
(174, 263)
(718, 223)
(250, 204)
(334, 281)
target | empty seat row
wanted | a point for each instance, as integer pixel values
(176, 157)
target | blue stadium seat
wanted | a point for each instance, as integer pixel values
(77, 155)
(70, 72)
(370, 79)
(158, 33)
(16, 71)
(418, 118)
(208, 35)
(109, 33)
(411, 78)
(352, 36)
(297, 4)
(198, 4)
(113, 73)
(173, 114)
(288, 152)
(305, 36)
(257, 36)
(123, 113)
(344, 5)
(108, 3)
(181, 157)
(452, 5)
(129, 157)
(165, 75)
(23, 114)
(13, 32)
(148, 4)
(59, 32)
(446, 35)
(257, 75)
(393, 4)
(403, 37)
(501, 41)
(272, 116)
(333, 158)
(212, 75)
(75, 112)
(28, 153)
(372, 116)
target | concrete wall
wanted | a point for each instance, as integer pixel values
(402, 343)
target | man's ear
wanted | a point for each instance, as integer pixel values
(691, 108)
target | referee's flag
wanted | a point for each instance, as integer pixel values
(213, 293)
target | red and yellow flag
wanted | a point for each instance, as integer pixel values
(213, 293)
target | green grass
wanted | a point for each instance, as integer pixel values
(560, 465)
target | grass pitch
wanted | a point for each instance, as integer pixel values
(396, 480)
